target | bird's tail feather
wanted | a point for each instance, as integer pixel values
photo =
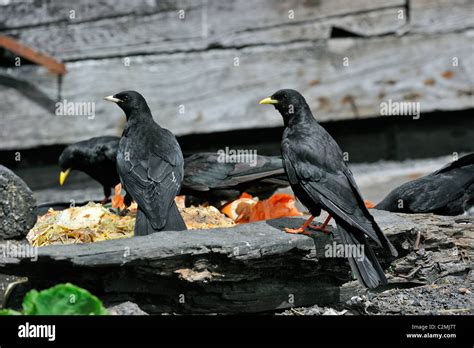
(366, 268)
(174, 222)
(143, 226)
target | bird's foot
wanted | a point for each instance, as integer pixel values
(320, 228)
(104, 201)
(123, 212)
(297, 231)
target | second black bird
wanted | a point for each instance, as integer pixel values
(321, 179)
(150, 166)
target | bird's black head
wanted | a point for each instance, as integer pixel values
(67, 162)
(131, 102)
(288, 102)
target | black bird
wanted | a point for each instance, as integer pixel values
(212, 178)
(447, 191)
(208, 177)
(95, 157)
(321, 179)
(150, 166)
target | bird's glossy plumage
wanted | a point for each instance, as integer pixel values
(321, 179)
(447, 191)
(95, 157)
(150, 167)
(211, 178)
(206, 177)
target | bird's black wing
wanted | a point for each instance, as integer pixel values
(326, 179)
(155, 181)
(206, 171)
(433, 191)
(464, 161)
(203, 171)
(254, 168)
(110, 148)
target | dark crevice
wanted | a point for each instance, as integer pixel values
(314, 20)
(367, 140)
(8, 59)
(407, 10)
(337, 33)
(213, 46)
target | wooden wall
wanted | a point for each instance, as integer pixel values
(224, 56)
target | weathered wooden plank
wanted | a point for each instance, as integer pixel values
(28, 13)
(25, 124)
(436, 16)
(215, 95)
(210, 24)
(25, 13)
(32, 55)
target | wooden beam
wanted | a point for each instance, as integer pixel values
(37, 57)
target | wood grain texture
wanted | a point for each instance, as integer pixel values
(217, 96)
(29, 13)
(209, 24)
(438, 16)
(186, 68)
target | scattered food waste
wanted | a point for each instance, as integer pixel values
(205, 217)
(247, 209)
(90, 223)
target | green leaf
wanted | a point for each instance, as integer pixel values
(9, 312)
(62, 299)
(29, 302)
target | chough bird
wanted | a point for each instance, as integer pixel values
(208, 176)
(211, 178)
(95, 157)
(447, 191)
(150, 166)
(321, 179)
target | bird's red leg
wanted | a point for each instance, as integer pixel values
(322, 227)
(302, 228)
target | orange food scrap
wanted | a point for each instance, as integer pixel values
(245, 209)
(117, 199)
(239, 208)
(180, 201)
(369, 204)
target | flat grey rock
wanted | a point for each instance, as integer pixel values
(249, 268)
(126, 308)
(17, 206)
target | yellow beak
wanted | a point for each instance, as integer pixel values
(268, 101)
(63, 176)
(112, 99)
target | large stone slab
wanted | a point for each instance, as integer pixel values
(249, 268)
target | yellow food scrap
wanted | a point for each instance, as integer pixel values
(87, 224)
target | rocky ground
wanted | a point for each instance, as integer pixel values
(450, 296)
(432, 276)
